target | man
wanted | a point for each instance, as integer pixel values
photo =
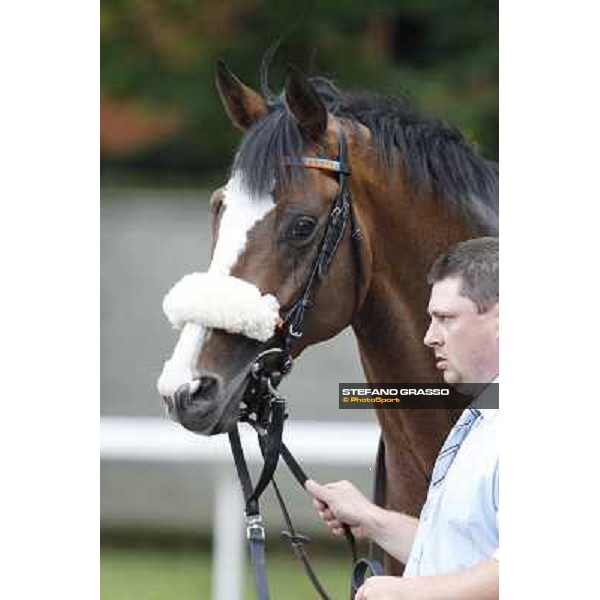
(451, 551)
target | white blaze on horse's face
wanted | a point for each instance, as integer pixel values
(181, 367)
(241, 212)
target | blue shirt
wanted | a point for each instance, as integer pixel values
(458, 526)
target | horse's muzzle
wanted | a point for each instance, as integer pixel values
(196, 406)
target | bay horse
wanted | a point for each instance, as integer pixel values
(416, 186)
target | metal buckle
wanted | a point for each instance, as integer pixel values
(257, 365)
(287, 365)
(254, 528)
(293, 333)
(296, 539)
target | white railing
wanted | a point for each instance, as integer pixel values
(158, 440)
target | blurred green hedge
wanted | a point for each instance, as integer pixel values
(161, 54)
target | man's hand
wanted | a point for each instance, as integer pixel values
(341, 502)
(391, 588)
(479, 582)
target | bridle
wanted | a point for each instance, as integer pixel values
(264, 408)
(340, 212)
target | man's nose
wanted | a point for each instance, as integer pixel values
(432, 337)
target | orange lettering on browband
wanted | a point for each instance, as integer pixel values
(311, 162)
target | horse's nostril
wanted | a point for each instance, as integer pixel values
(196, 401)
(208, 387)
(182, 396)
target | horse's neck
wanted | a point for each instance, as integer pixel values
(405, 236)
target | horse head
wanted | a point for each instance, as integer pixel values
(285, 251)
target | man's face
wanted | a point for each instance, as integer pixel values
(465, 342)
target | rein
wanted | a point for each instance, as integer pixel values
(265, 409)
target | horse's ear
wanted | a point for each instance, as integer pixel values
(305, 105)
(243, 105)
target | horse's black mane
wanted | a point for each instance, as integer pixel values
(436, 156)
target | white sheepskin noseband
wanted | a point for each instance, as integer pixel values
(222, 302)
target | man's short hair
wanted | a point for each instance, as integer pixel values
(476, 262)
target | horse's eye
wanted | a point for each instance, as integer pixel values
(302, 228)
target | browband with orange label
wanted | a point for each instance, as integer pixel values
(312, 162)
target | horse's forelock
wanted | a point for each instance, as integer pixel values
(266, 148)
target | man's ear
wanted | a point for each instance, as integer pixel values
(244, 106)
